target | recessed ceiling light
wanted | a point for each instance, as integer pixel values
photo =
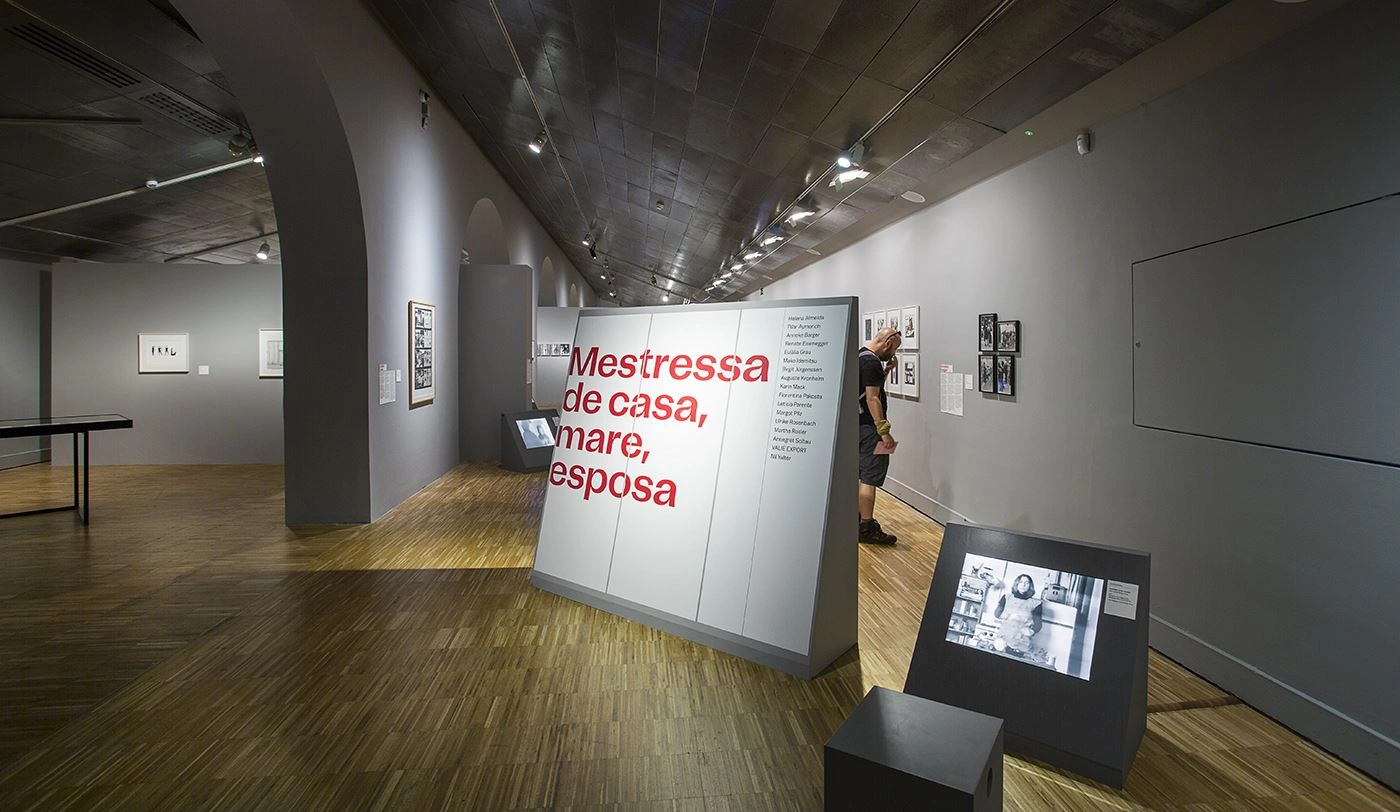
(1030, 132)
(152, 183)
(264, 251)
(537, 145)
(913, 197)
(814, 252)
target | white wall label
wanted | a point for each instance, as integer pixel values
(1121, 600)
(388, 392)
(693, 461)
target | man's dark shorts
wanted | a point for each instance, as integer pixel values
(873, 467)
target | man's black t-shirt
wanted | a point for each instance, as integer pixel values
(872, 373)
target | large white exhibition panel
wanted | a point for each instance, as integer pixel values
(704, 477)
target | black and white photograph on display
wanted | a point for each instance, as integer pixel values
(867, 327)
(162, 352)
(894, 378)
(269, 353)
(1006, 375)
(909, 328)
(892, 319)
(421, 353)
(535, 432)
(987, 374)
(1045, 617)
(909, 374)
(1009, 336)
(881, 322)
(987, 332)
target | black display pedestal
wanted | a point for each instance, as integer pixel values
(527, 439)
(897, 752)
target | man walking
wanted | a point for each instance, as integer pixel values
(876, 359)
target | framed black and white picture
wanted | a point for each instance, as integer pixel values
(909, 328)
(881, 322)
(1006, 375)
(909, 374)
(987, 374)
(894, 379)
(867, 327)
(162, 352)
(270, 353)
(421, 353)
(1009, 336)
(987, 332)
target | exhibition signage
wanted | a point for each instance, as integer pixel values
(703, 479)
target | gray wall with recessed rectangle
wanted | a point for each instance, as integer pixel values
(21, 369)
(228, 416)
(1273, 569)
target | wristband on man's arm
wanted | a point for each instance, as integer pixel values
(882, 427)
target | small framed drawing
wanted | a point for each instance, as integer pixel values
(867, 327)
(892, 319)
(162, 352)
(269, 353)
(909, 372)
(881, 322)
(422, 358)
(1009, 336)
(987, 374)
(987, 332)
(909, 328)
(894, 380)
(1006, 375)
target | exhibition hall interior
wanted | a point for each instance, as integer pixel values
(477, 404)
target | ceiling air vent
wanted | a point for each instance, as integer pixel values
(60, 47)
(184, 112)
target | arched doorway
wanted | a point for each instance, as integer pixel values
(486, 235)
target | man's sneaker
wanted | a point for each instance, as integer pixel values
(871, 533)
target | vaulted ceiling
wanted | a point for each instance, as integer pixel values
(682, 132)
(97, 97)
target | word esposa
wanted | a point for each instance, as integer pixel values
(618, 484)
(724, 368)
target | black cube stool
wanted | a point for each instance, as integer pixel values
(897, 751)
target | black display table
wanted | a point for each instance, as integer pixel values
(73, 424)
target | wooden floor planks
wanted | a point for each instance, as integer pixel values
(186, 651)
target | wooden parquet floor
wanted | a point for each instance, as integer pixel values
(186, 651)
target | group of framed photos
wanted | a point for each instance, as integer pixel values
(552, 350)
(997, 341)
(170, 353)
(903, 379)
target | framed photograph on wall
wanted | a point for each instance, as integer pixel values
(270, 353)
(162, 352)
(909, 374)
(894, 380)
(987, 332)
(1006, 375)
(892, 319)
(881, 322)
(909, 327)
(1009, 336)
(987, 374)
(867, 329)
(422, 353)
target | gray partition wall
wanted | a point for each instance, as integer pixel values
(495, 303)
(1264, 559)
(228, 416)
(21, 361)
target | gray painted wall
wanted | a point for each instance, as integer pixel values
(227, 416)
(496, 303)
(21, 369)
(1269, 566)
(553, 325)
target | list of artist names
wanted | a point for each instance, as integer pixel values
(803, 384)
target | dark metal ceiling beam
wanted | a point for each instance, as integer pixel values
(211, 249)
(68, 121)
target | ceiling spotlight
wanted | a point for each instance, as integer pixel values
(770, 239)
(913, 197)
(258, 159)
(264, 251)
(588, 239)
(737, 266)
(603, 277)
(537, 145)
(800, 215)
(612, 293)
(653, 280)
(665, 297)
(848, 176)
(152, 183)
(752, 255)
(851, 157)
